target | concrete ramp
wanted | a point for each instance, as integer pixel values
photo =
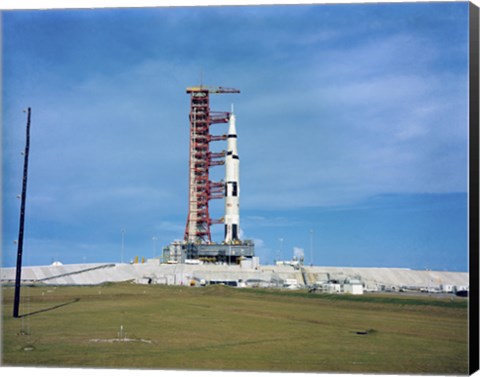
(153, 272)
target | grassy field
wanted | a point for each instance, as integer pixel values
(221, 328)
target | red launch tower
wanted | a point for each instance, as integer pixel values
(201, 189)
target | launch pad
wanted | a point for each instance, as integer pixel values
(181, 252)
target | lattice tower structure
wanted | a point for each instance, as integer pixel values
(201, 188)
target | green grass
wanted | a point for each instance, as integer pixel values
(451, 302)
(221, 328)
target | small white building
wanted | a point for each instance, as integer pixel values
(354, 287)
(447, 288)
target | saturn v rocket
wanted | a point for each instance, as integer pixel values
(232, 185)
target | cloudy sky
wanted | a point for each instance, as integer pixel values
(352, 123)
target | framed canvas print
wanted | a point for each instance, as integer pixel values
(240, 188)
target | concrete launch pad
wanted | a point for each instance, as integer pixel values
(248, 274)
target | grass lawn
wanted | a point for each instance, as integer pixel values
(222, 328)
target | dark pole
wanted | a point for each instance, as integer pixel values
(16, 302)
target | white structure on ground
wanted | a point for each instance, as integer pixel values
(353, 286)
(248, 273)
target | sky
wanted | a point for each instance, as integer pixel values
(352, 129)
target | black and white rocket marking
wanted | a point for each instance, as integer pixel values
(232, 185)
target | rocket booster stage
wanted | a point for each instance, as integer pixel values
(232, 185)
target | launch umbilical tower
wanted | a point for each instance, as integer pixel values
(197, 245)
(201, 188)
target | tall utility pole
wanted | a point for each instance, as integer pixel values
(16, 302)
(311, 246)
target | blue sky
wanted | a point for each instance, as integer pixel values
(352, 123)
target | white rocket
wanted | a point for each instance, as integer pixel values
(232, 185)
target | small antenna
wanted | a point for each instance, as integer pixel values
(231, 108)
(201, 78)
